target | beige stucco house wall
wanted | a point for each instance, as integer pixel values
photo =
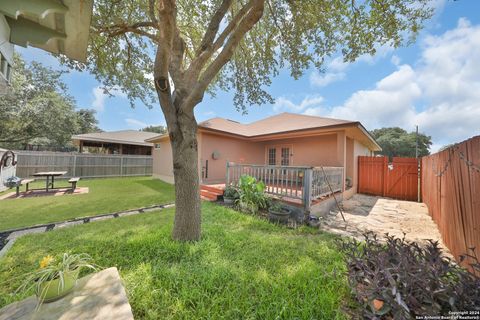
(331, 146)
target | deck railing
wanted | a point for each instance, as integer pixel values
(306, 184)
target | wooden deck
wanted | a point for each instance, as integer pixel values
(210, 192)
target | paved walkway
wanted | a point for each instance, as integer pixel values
(381, 215)
(12, 235)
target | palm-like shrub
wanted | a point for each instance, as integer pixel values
(252, 195)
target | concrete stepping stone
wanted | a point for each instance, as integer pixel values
(68, 224)
(98, 296)
(16, 234)
(101, 218)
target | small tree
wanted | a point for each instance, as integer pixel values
(193, 47)
(397, 142)
(37, 107)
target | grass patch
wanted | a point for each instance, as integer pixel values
(243, 268)
(105, 196)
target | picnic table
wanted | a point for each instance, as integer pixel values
(49, 174)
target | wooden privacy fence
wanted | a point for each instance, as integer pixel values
(83, 165)
(306, 184)
(398, 180)
(451, 190)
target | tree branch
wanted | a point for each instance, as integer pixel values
(122, 28)
(245, 25)
(151, 12)
(167, 28)
(198, 63)
(213, 26)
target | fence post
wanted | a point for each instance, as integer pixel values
(385, 176)
(228, 175)
(74, 173)
(121, 166)
(307, 189)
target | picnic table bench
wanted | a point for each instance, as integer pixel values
(48, 175)
(74, 181)
(24, 182)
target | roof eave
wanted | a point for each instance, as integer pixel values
(370, 137)
(136, 143)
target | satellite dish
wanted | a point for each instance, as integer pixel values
(215, 155)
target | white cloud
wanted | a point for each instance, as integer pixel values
(395, 60)
(335, 72)
(99, 97)
(390, 103)
(337, 68)
(284, 104)
(441, 93)
(321, 80)
(134, 123)
(209, 113)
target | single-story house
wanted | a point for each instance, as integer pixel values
(115, 142)
(287, 139)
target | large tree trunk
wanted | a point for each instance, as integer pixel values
(190, 86)
(183, 138)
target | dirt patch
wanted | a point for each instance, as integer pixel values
(43, 193)
(381, 215)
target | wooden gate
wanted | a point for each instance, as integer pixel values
(398, 180)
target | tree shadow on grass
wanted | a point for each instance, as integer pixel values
(156, 185)
(241, 268)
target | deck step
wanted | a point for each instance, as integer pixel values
(215, 190)
(209, 195)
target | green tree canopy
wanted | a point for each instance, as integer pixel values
(39, 110)
(397, 142)
(156, 129)
(192, 47)
(87, 122)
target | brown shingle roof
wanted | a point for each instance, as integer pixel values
(277, 124)
(124, 136)
(283, 122)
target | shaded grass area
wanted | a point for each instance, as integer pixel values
(105, 196)
(243, 268)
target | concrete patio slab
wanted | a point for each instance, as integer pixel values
(382, 215)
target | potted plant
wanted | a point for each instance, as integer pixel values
(230, 195)
(277, 212)
(56, 277)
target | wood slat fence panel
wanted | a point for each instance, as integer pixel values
(402, 179)
(371, 175)
(451, 190)
(398, 180)
(83, 165)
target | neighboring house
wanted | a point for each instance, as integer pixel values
(286, 139)
(59, 26)
(115, 142)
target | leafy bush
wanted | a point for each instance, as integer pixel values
(252, 195)
(231, 192)
(397, 279)
(275, 205)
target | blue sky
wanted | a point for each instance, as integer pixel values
(434, 83)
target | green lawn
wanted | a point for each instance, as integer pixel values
(105, 196)
(243, 268)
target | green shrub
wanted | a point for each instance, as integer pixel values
(397, 279)
(231, 192)
(252, 195)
